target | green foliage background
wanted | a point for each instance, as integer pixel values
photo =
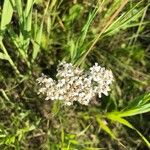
(36, 34)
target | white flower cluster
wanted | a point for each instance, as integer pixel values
(73, 84)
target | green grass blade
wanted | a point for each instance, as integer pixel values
(37, 42)
(18, 4)
(108, 23)
(28, 8)
(8, 58)
(38, 37)
(28, 15)
(122, 18)
(103, 126)
(124, 23)
(137, 102)
(135, 111)
(18, 43)
(137, 106)
(79, 49)
(123, 121)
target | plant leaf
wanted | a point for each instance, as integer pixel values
(123, 121)
(103, 126)
(3, 56)
(6, 14)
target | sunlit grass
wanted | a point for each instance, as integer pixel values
(36, 35)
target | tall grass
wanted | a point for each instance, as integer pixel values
(36, 35)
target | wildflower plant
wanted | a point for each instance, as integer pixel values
(75, 84)
(33, 33)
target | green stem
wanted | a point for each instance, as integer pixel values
(9, 58)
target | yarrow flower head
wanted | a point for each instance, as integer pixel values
(74, 84)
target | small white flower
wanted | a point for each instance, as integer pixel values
(81, 94)
(68, 103)
(74, 84)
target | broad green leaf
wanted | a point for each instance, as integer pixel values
(7, 12)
